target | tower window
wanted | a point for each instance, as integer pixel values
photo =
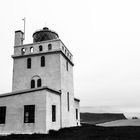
(28, 63)
(42, 61)
(67, 65)
(68, 54)
(31, 49)
(76, 114)
(39, 83)
(62, 47)
(29, 113)
(22, 51)
(68, 101)
(40, 48)
(49, 46)
(53, 113)
(32, 83)
(2, 114)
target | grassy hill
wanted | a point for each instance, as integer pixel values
(86, 132)
(95, 118)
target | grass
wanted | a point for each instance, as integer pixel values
(85, 132)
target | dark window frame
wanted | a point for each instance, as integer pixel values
(49, 46)
(68, 101)
(29, 113)
(42, 61)
(29, 63)
(2, 114)
(32, 83)
(39, 83)
(76, 114)
(40, 48)
(53, 113)
(67, 65)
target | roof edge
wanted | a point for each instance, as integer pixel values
(42, 53)
(30, 90)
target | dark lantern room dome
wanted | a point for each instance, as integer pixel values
(44, 35)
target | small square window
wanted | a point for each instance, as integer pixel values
(62, 47)
(40, 48)
(49, 46)
(31, 49)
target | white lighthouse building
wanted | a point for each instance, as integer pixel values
(42, 96)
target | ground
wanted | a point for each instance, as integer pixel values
(85, 132)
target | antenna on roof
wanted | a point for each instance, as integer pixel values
(24, 19)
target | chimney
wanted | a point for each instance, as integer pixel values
(19, 37)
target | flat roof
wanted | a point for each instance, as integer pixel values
(30, 90)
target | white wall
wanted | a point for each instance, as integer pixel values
(68, 117)
(50, 74)
(15, 113)
(53, 99)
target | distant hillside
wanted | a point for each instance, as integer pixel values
(96, 118)
(126, 122)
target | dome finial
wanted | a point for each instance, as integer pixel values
(45, 28)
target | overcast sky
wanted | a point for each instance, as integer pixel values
(103, 36)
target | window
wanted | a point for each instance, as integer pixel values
(62, 47)
(31, 49)
(39, 83)
(76, 114)
(67, 65)
(28, 63)
(42, 61)
(32, 83)
(53, 113)
(68, 54)
(40, 48)
(29, 113)
(22, 51)
(2, 114)
(49, 46)
(68, 102)
(35, 81)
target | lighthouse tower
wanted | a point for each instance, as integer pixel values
(42, 96)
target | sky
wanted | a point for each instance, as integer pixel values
(102, 35)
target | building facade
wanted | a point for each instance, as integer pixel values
(42, 96)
